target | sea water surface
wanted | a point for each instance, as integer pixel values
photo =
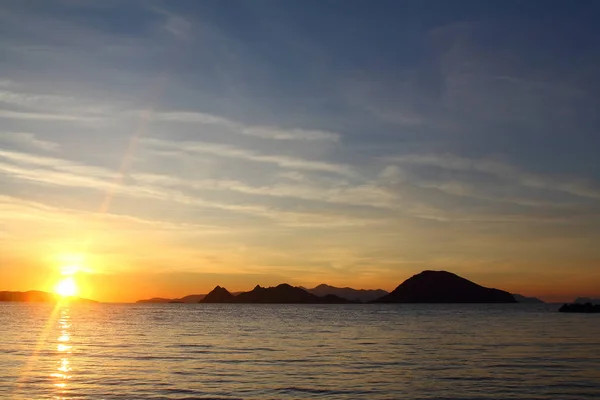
(194, 351)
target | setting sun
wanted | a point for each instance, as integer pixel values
(66, 287)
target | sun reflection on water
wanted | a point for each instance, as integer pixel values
(64, 348)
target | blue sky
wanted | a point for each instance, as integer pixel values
(353, 142)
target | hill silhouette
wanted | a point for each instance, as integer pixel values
(38, 296)
(192, 298)
(524, 299)
(155, 300)
(282, 294)
(362, 295)
(218, 295)
(444, 287)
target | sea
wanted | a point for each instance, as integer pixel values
(237, 351)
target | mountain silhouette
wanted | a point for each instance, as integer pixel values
(218, 295)
(281, 294)
(192, 298)
(524, 299)
(444, 287)
(37, 296)
(362, 295)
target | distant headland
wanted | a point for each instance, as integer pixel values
(37, 296)
(425, 287)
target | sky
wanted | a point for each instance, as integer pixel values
(162, 148)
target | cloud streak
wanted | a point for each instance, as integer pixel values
(227, 151)
(502, 170)
(262, 132)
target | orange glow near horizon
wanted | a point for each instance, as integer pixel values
(66, 271)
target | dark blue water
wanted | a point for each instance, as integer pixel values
(190, 351)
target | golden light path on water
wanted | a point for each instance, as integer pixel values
(64, 349)
(60, 307)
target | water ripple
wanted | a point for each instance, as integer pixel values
(286, 351)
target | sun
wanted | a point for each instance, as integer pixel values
(67, 287)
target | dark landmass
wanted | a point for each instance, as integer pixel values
(281, 294)
(426, 287)
(360, 295)
(354, 295)
(524, 299)
(155, 300)
(583, 300)
(587, 308)
(37, 296)
(444, 287)
(192, 298)
(218, 295)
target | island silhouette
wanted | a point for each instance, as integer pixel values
(444, 287)
(524, 299)
(361, 295)
(425, 287)
(355, 295)
(38, 296)
(281, 294)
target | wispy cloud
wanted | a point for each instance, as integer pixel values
(19, 209)
(503, 170)
(368, 195)
(59, 172)
(42, 116)
(28, 140)
(263, 132)
(33, 100)
(244, 154)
